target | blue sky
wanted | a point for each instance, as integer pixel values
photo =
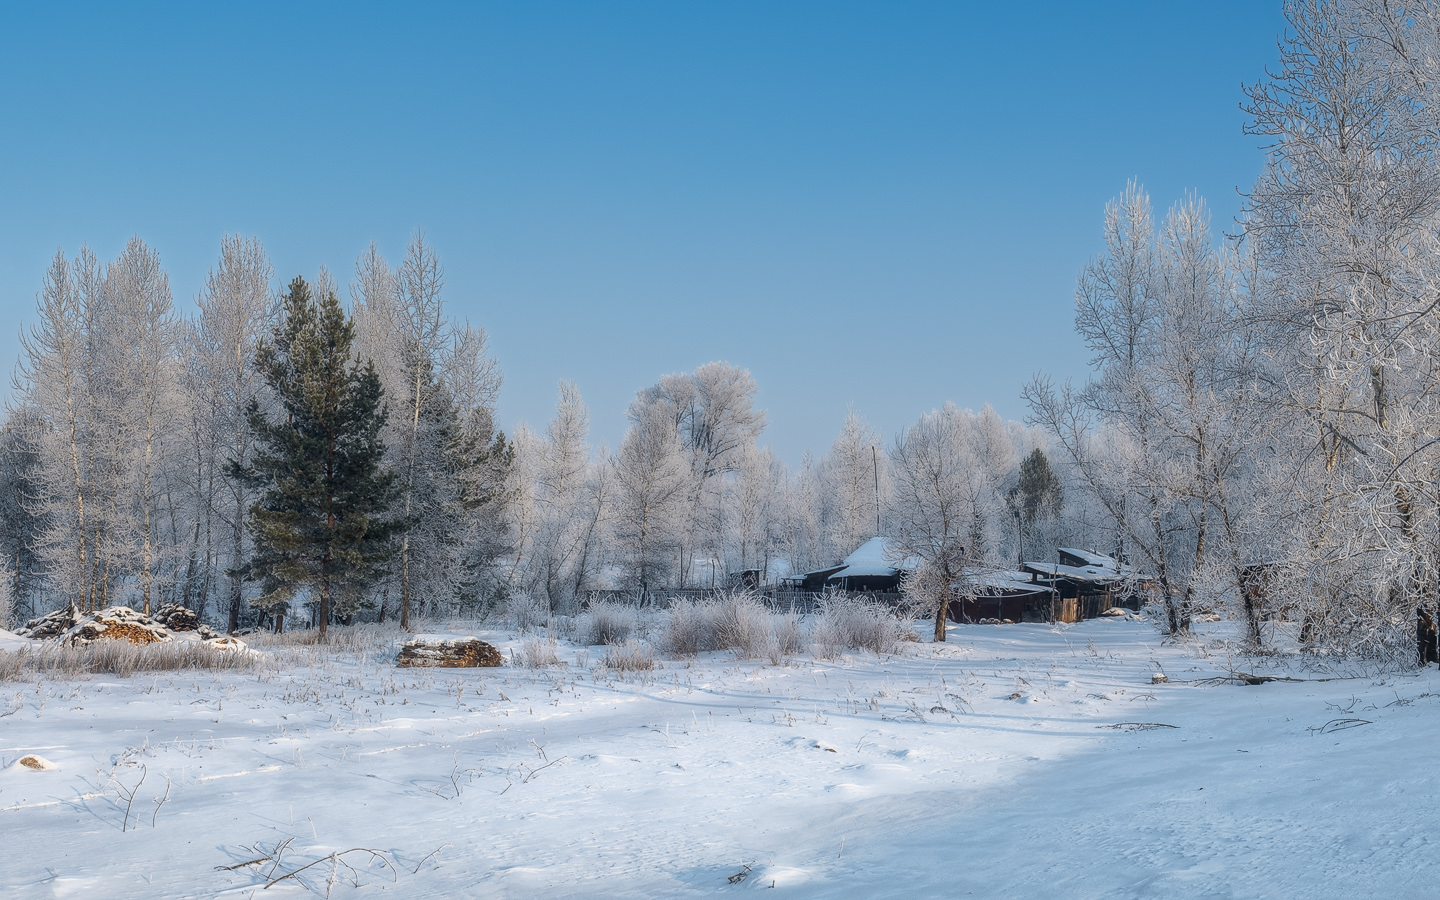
(883, 204)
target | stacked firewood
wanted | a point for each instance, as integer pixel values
(121, 623)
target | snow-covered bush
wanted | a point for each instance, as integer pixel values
(606, 623)
(686, 628)
(630, 656)
(539, 652)
(855, 623)
(789, 637)
(524, 612)
(741, 624)
(735, 621)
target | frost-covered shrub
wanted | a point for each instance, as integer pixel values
(855, 623)
(537, 653)
(742, 624)
(735, 621)
(789, 637)
(630, 656)
(525, 613)
(606, 623)
(686, 629)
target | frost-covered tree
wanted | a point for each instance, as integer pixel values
(754, 511)
(653, 497)
(1342, 224)
(234, 307)
(54, 374)
(1155, 436)
(934, 516)
(145, 400)
(712, 413)
(854, 487)
(441, 385)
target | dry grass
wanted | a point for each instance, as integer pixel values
(122, 658)
(339, 639)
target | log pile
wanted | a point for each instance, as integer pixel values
(51, 626)
(121, 623)
(447, 651)
(178, 618)
(116, 623)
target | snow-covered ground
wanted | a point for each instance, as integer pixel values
(997, 765)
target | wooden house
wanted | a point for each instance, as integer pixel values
(1082, 585)
(875, 567)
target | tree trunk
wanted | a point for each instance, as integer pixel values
(405, 576)
(1427, 641)
(237, 588)
(324, 597)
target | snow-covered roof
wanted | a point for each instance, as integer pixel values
(1079, 573)
(876, 556)
(995, 580)
(1091, 559)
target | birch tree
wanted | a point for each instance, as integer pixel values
(235, 309)
(654, 489)
(933, 468)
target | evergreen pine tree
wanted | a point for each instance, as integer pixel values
(321, 523)
(1039, 492)
(1035, 499)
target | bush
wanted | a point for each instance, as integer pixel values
(741, 624)
(628, 657)
(687, 628)
(525, 613)
(606, 623)
(537, 653)
(789, 637)
(735, 621)
(854, 623)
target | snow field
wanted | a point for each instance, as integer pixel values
(989, 766)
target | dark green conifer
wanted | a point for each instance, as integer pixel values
(322, 523)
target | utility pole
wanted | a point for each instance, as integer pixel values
(875, 461)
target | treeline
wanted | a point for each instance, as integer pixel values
(691, 497)
(273, 452)
(268, 446)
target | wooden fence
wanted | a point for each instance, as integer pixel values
(803, 602)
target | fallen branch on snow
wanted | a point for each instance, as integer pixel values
(1137, 726)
